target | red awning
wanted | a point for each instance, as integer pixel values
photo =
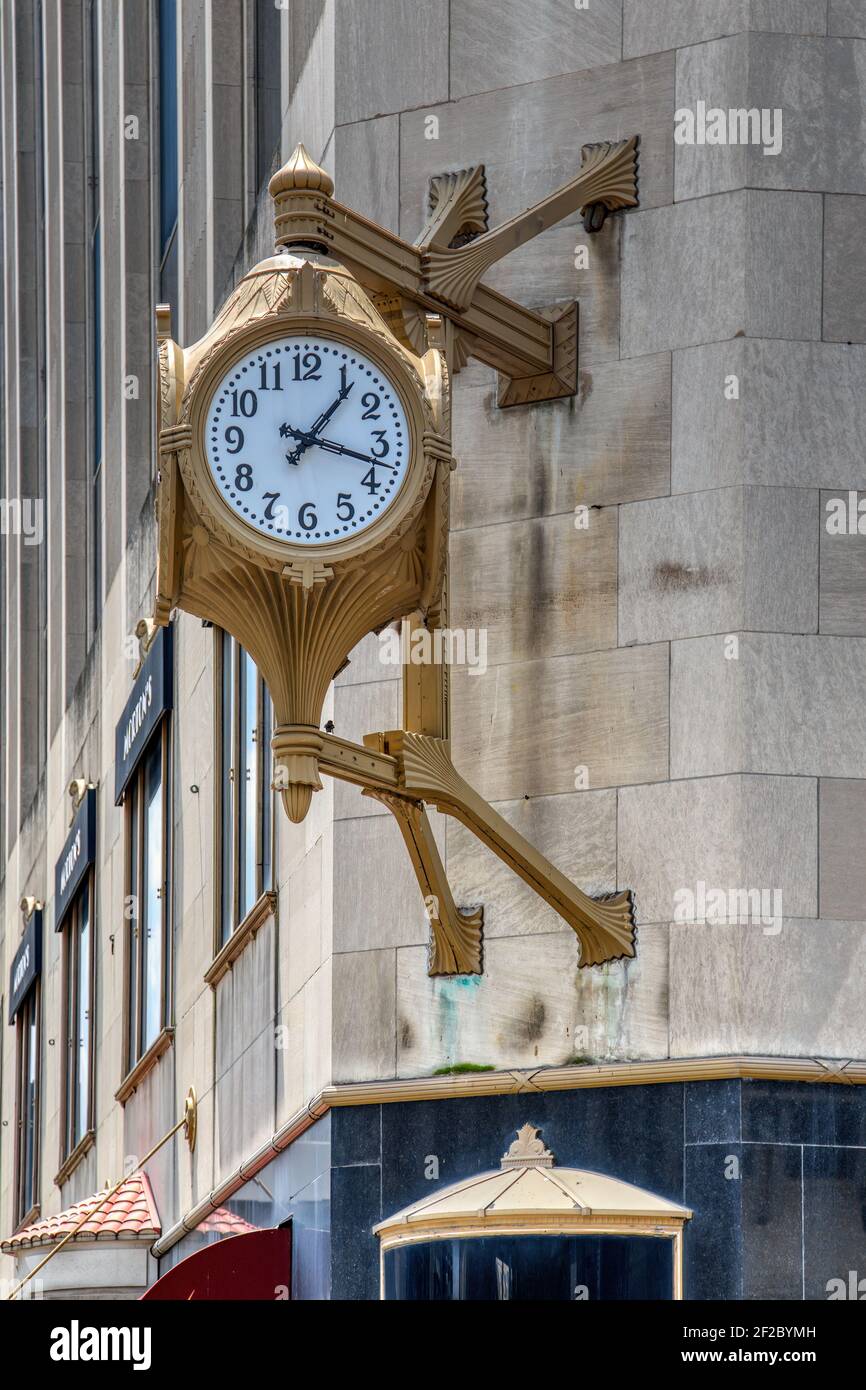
(257, 1265)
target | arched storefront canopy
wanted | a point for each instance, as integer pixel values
(253, 1265)
(527, 1197)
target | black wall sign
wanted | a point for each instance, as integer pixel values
(151, 698)
(78, 854)
(26, 965)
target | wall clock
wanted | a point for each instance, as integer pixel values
(304, 482)
(308, 439)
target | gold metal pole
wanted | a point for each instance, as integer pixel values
(188, 1123)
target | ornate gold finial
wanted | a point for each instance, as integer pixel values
(162, 314)
(527, 1148)
(77, 790)
(300, 172)
(145, 630)
(190, 1118)
(29, 905)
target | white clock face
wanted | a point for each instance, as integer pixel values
(307, 440)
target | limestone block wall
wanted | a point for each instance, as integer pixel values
(771, 733)
(695, 654)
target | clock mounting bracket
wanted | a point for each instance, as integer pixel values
(441, 273)
(421, 311)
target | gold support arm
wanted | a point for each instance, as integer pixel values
(400, 765)
(534, 351)
(455, 936)
(608, 178)
(605, 929)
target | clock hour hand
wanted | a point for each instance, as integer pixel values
(325, 416)
(307, 436)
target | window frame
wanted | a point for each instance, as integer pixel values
(42, 192)
(138, 1059)
(265, 160)
(92, 37)
(71, 1147)
(167, 237)
(226, 930)
(31, 1005)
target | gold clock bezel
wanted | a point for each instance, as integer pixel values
(216, 513)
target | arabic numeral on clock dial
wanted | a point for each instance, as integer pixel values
(310, 362)
(244, 477)
(344, 500)
(307, 518)
(371, 402)
(369, 482)
(234, 437)
(244, 403)
(269, 382)
(269, 509)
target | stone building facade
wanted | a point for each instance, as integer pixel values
(669, 570)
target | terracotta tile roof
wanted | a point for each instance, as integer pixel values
(130, 1214)
(225, 1223)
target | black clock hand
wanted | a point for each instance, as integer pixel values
(307, 436)
(325, 416)
(332, 447)
(285, 431)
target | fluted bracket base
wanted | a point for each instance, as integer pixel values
(296, 768)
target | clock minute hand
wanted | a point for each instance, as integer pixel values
(332, 447)
(308, 439)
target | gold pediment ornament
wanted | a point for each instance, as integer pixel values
(528, 1147)
(300, 603)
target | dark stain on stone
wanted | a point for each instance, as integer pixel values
(533, 617)
(538, 463)
(407, 1037)
(533, 1023)
(673, 577)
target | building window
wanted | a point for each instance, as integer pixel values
(268, 68)
(168, 152)
(147, 899)
(245, 804)
(96, 368)
(27, 1106)
(41, 389)
(78, 994)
